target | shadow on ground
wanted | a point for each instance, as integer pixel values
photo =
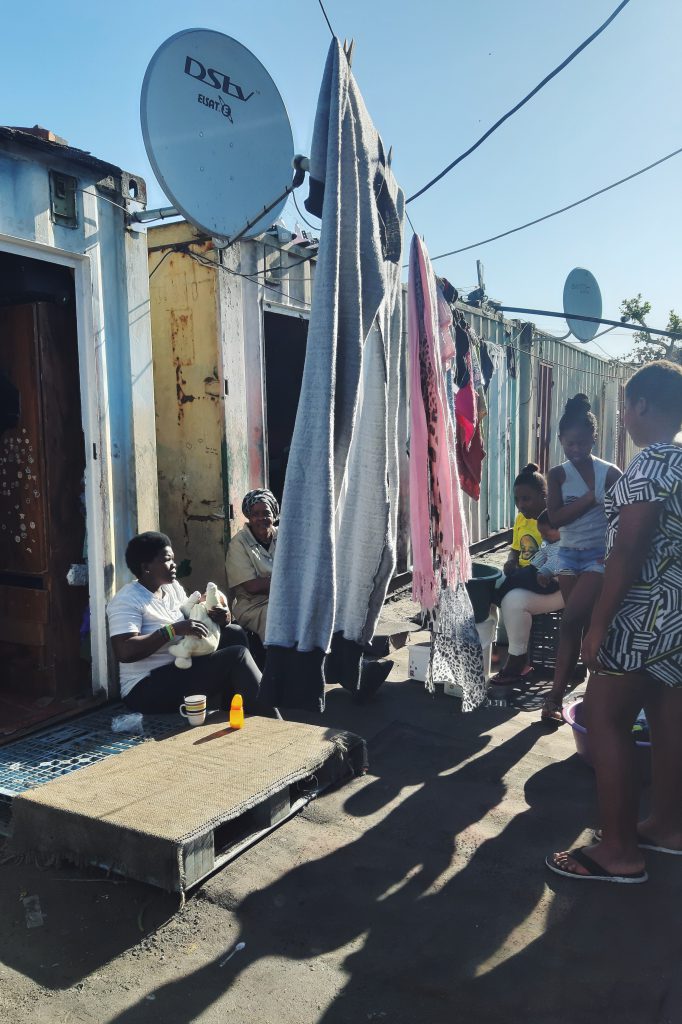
(420, 890)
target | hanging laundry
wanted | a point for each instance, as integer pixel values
(497, 355)
(487, 365)
(436, 508)
(440, 547)
(447, 341)
(449, 291)
(477, 375)
(470, 465)
(462, 347)
(456, 653)
(336, 540)
(511, 360)
(466, 407)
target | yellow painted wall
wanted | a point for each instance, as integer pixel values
(189, 393)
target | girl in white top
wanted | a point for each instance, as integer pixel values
(575, 502)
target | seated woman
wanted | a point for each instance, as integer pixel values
(250, 559)
(144, 619)
(519, 605)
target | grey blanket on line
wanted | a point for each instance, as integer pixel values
(336, 543)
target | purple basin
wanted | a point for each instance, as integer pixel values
(573, 715)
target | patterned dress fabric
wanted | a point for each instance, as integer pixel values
(456, 653)
(646, 633)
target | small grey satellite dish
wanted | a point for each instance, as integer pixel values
(582, 296)
(216, 133)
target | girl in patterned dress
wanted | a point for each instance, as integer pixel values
(634, 644)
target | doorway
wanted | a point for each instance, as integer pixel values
(44, 606)
(285, 339)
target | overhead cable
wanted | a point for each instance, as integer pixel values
(578, 202)
(521, 103)
(329, 26)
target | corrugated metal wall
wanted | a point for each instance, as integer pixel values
(523, 419)
(573, 371)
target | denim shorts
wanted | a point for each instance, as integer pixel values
(574, 561)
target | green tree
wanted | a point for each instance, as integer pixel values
(648, 347)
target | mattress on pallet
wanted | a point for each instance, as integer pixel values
(169, 812)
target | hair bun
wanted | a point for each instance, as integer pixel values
(532, 467)
(579, 403)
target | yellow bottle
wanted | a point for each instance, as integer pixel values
(237, 712)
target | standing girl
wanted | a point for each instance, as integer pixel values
(575, 503)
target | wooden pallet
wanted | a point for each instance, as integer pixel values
(172, 812)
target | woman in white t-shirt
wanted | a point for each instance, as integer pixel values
(144, 619)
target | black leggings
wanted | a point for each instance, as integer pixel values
(220, 675)
(525, 578)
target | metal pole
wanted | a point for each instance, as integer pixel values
(161, 213)
(589, 319)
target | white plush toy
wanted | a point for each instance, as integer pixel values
(187, 647)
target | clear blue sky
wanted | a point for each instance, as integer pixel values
(435, 75)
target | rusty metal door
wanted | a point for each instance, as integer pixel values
(543, 425)
(42, 460)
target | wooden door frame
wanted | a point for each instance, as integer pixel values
(94, 405)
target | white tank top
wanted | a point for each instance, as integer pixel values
(589, 530)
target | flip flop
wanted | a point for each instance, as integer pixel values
(645, 844)
(596, 872)
(650, 844)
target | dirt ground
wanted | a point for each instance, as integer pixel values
(414, 895)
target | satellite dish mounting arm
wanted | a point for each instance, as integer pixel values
(301, 164)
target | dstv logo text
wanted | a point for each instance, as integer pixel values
(215, 79)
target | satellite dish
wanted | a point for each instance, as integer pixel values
(216, 132)
(582, 296)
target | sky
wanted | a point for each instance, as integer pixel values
(435, 75)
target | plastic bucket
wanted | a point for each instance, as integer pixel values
(573, 715)
(481, 587)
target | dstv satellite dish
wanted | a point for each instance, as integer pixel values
(582, 296)
(216, 133)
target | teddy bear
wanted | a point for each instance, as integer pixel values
(187, 647)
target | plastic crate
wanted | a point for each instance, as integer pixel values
(544, 643)
(544, 640)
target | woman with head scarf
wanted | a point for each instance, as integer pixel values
(250, 558)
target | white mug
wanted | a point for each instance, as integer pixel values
(194, 717)
(194, 709)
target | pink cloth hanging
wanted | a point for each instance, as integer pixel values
(440, 542)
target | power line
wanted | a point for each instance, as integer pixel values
(578, 202)
(167, 253)
(521, 103)
(326, 18)
(414, 230)
(204, 262)
(302, 215)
